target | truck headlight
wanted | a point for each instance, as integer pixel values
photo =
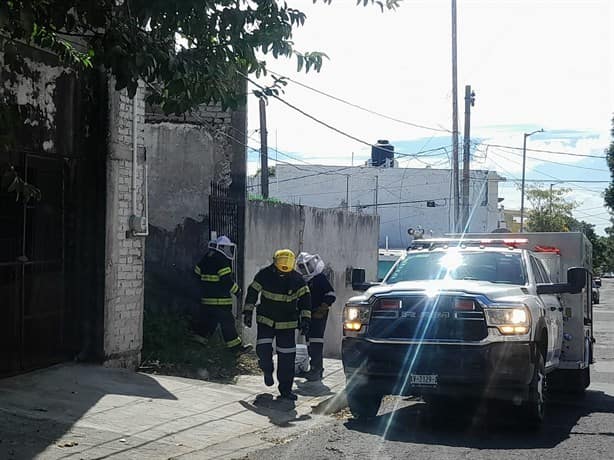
(512, 320)
(355, 316)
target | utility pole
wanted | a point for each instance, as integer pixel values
(454, 121)
(376, 192)
(264, 154)
(469, 102)
(347, 192)
(276, 163)
(550, 204)
(524, 164)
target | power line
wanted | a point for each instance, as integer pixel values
(555, 162)
(495, 152)
(325, 124)
(554, 152)
(395, 203)
(571, 181)
(364, 109)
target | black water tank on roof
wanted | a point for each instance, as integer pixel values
(381, 152)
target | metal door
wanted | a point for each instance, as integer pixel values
(223, 212)
(32, 281)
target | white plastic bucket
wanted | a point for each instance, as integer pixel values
(301, 363)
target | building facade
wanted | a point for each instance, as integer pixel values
(404, 198)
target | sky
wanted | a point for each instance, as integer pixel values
(532, 64)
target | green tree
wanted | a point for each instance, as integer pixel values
(608, 241)
(219, 42)
(602, 250)
(550, 210)
(609, 155)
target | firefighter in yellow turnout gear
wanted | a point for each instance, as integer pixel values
(285, 305)
(217, 288)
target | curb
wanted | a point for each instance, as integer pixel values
(331, 404)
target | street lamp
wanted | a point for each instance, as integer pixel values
(524, 161)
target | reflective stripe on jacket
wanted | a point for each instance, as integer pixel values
(284, 298)
(217, 284)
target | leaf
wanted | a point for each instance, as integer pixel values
(13, 186)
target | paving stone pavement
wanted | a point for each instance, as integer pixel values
(74, 411)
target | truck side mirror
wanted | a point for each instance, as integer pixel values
(576, 281)
(358, 280)
(598, 282)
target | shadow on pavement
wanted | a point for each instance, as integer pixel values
(279, 412)
(39, 408)
(493, 426)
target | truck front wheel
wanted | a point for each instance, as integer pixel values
(534, 407)
(363, 401)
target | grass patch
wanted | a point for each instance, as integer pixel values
(261, 198)
(171, 348)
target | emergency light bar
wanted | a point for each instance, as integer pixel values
(459, 242)
(551, 249)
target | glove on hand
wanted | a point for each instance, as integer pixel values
(247, 318)
(305, 326)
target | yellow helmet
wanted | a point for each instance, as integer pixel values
(284, 260)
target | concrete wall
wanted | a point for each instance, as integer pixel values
(406, 188)
(343, 239)
(124, 267)
(185, 154)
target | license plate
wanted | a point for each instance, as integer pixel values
(424, 379)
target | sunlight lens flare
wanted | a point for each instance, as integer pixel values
(451, 260)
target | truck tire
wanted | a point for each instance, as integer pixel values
(535, 406)
(571, 382)
(578, 381)
(363, 402)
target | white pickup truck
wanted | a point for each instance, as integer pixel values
(486, 316)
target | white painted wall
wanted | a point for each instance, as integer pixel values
(343, 239)
(328, 187)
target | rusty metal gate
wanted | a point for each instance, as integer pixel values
(33, 311)
(225, 219)
(223, 212)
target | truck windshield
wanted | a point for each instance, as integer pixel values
(495, 267)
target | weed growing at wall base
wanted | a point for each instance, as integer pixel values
(171, 348)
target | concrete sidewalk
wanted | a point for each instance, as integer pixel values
(85, 412)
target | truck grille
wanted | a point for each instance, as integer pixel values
(418, 317)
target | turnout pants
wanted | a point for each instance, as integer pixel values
(286, 352)
(211, 317)
(315, 343)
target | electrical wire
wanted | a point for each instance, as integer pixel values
(552, 162)
(554, 152)
(323, 123)
(364, 109)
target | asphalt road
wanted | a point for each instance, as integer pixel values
(582, 429)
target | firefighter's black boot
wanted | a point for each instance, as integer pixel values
(288, 395)
(314, 375)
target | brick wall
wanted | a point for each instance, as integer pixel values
(123, 317)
